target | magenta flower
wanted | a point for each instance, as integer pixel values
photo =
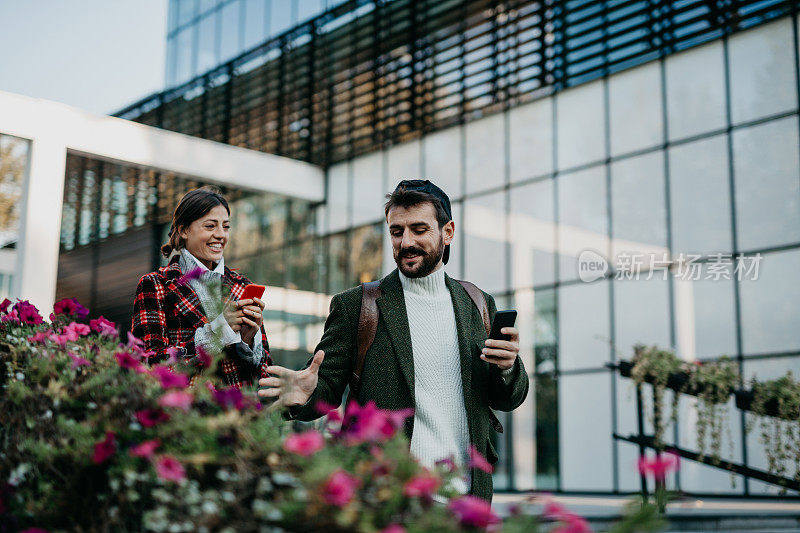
(478, 461)
(229, 398)
(178, 399)
(146, 449)
(340, 488)
(27, 313)
(103, 326)
(324, 408)
(422, 486)
(71, 307)
(4, 305)
(204, 358)
(304, 444)
(370, 424)
(394, 528)
(61, 340)
(135, 343)
(472, 511)
(659, 467)
(104, 449)
(168, 378)
(127, 360)
(11, 316)
(573, 524)
(189, 276)
(169, 469)
(79, 361)
(151, 417)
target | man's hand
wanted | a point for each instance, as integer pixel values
(291, 387)
(502, 353)
(251, 313)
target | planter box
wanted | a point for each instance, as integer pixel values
(745, 399)
(677, 381)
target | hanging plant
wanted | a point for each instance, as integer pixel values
(776, 404)
(655, 366)
(713, 383)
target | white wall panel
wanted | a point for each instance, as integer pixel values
(635, 109)
(485, 153)
(581, 131)
(531, 140)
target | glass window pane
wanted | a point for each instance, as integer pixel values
(769, 309)
(583, 325)
(584, 408)
(255, 22)
(13, 173)
(484, 237)
(581, 125)
(766, 167)
(635, 109)
(705, 318)
(641, 314)
(533, 234)
(338, 196)
(531, 140)
(696, 91)
(229, 36)
(302, 272)
(443, 161)
(337, 263)
(762, 71)
(365, 254)
(485, 155)
(638, 208)
(187, 10)
(207, 51)
(281, 16)
(403, 163)
(582, 219)
(699, 196)
(307, 9)
(172, 15)
(184, 55)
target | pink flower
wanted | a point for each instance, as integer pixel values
(230, 398)
(421, 486)
(573, 524)
(126, 360)
(168, 378)
(79, 361)
(304, 444)
(472, 511)
(12, 316)
(61, 340)
(478, 461)
(75, 330)
(145, 449)
(41, 336)
(370, 424)
(104, 327)
(150, 417)
(340, 488)
(169, 469)
(325, 408)
(660, 466)
(27, 313)
(394, 528)
(4, 305)
(70, 306)
(133, 342)
(177, 399)
(554, 510)
(189, 276)
(105, 448)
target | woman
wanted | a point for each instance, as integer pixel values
(177, 310)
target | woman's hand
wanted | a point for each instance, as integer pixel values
(251, 312)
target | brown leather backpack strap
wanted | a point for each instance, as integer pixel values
(367, 327)
(480, 302)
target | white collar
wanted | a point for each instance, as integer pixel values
(220, 268)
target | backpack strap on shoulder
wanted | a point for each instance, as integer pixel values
(480, 302)
(367, 327)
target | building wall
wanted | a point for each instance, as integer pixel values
(697, 153)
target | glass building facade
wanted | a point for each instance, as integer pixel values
(14, 163)
(636, 128)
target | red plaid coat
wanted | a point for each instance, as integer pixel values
(167, 314)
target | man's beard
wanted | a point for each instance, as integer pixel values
(426, 265)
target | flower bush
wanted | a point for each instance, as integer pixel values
(94, 438)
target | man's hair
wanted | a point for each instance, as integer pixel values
(402, 197)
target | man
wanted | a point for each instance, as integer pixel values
(430, 350)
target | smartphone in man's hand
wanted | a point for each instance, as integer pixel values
(502, 319)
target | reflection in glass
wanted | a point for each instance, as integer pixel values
(485, 237)
(256, 20)
(545, 350)
(365, 254)
(581, 217)
(207, 52)
(229, 33)
(184, 55)
(641, 314)
(13, 169)
(337, 263)
(583, 325)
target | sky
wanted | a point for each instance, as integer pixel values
(96, 55)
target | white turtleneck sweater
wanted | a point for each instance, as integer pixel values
(440, 418)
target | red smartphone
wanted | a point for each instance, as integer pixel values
(253, 291)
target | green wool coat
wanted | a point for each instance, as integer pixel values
(388, 375)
